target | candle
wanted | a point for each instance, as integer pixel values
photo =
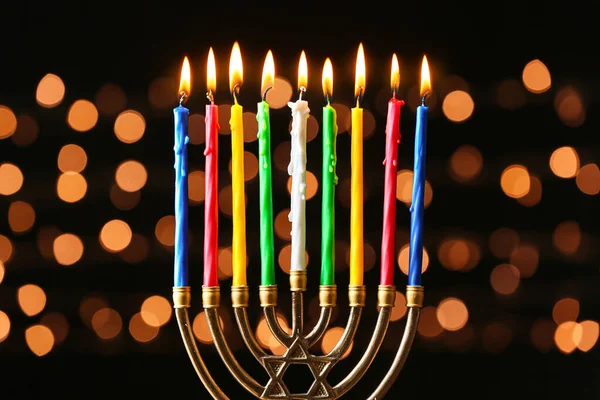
(238, 245)
(297, 170)
(329, 180)
(181, 115)
(392, 132)
(418, 196)
(356, 180)
(264, 175)
(211, 179)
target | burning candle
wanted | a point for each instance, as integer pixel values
(329, 179)
(264, 175)
(392, 132)
(356, 179)
(181, 116)
(238, 245)
(418, 196)
(297, 170)
(211, 178)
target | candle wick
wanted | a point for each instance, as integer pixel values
(210, 97)
(302, 91)
(395, 90)
(264, 96)
(182, 97)
(328, 98)
(235, 92)
(359, 96)
(424, 98)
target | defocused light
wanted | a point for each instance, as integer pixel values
(107, 323)
(58, 324)
(82, 115)
(156, 311)
(452, 314)
(50, 91)
(564, 162)
(534, 196)
(32, 299)
(71, 187)
(567, 237)
(124, 200)
(6, 249)
(200, 328)
(89, 306)
(72, 158)
(458, 106)
(404, 188)
(312, 185)
(2, 271)
(565, 336)
(429, 326)
(160, 92)
(8, 122)
(140, 330)
(403, 259)
(569, 107)
(458, 254)
(280, 95)
(542, 334)
(505, 279)
(45, 241)
(224, 261)
(115, 235)
(137, 250)
(565, 309)
(588, 179)
(130, 126)
(536, 77)
(525, 258)
(330, 340)
(399, 309)
(21, 216)
(344, 118)
(282, 225)
(224, 116)
(327, 79)
(40, 339)
(515, 181)
(68, 249)
(466, 163)
(196, 186)
(11, 179)
(165, 230)
(589, 335)
(4, 326)
(27, 131)
(503, 241)
(196, 129)
(285, 256)
(131, 176)
(110, 99)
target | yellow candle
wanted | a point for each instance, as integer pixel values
(356, 180)
(238, 245)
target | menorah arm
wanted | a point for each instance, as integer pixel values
(386, 295)
(241, 316)
(211, 300)
(275, 328)
(320, 327)
(407, 340)
(181, 303)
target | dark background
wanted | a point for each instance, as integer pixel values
(132, 44)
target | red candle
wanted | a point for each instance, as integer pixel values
(392, 131)
(211, 175)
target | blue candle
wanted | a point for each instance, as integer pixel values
(181, 114)
(418, 196)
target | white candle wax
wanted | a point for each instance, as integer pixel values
(297, 170)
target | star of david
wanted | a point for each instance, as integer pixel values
(298, 353)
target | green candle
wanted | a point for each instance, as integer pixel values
(267, 253)
(329, 180)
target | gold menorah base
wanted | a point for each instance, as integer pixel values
(298, 343)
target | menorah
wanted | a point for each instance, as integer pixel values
(299, 342)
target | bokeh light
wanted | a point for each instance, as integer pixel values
(8, 122)
(11, 179)
(131, 176)
(32, 299)
(50, 91)
(130, 126)
(466, 163)
(71, 187)
(280, 94)
(107, 323)
(565, 310)
(110, 99)
(140, 330)
(564, 162)
(588, 179)
(115, 235)
(458, 106)
(21, 216)
(156, 311)
(68, 249)
(452, 314)
(505, 279)
(536, 77)
(569, 107)
(27, 131)
(82, 115)
(515, 181)
(72, 158)
(39, 339)
(403, 259)
(4, 326)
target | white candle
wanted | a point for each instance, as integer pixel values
(297, 170)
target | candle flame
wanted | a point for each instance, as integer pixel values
(328, 78)
(302, 72)
(211, 72)
(359, 82)
(236, 72)
(268, 74)
(395, 76)
(425, 77)
(185, 81)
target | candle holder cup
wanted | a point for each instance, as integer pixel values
(299, 341)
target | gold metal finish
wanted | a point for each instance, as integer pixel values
(386, 295)
(240, 296)
(357, 295)
(298, 280)
(268, 295)
(211, 296)
(327, 296)
(182, 296)
(415, 295)
(297, 343)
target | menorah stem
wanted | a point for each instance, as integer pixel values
(297, 313)
(386, 295)
(320, 327)
(181, 303)
(410, 331)
(211, 300)
(241, 317)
